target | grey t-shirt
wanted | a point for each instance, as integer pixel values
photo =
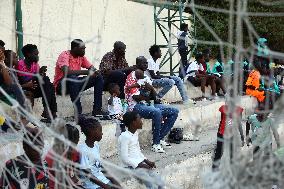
(261, 131)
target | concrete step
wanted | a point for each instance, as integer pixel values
(205, 114)
(179, 167)
(65, 107)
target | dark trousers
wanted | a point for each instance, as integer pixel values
(73, 85)
(15, 91)
(49, 98)
(118, 77)
(183, 55)
(219, 151)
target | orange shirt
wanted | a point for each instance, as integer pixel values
(254, 80)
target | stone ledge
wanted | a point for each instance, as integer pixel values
(65, 107)
(205, 114)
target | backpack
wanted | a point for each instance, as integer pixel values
(176, 135)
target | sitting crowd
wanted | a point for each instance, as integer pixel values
(134, 95)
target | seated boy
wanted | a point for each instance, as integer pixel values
(164, 82)
(195, 76)
(116, 108)
(67, 157)
(130, 152)
(90, 156)
(142, 80)
(28, 170)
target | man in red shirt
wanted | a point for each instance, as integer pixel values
(67, 77)
(226, 122)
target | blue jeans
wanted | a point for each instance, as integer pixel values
(156, 113)
(168, 83)
(74, 88)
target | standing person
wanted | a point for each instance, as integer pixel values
(195, 74)
(67, 77)
(183, 47)
(130, 152)
(226, 122)
(165, 82)
(28, 170)
(261, 125)
(90, 156)
(28, 74)
(114, 66)
(157, 113)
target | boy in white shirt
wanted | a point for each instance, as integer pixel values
(164, 82)
(90, 156)
(130, 152)
(116, 108)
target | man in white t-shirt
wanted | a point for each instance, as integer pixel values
(166, 82)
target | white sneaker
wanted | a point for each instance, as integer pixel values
(157, 148)
(190, 137)
(189, 101)
(165, 144)
(31, 126)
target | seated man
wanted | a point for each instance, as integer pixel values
(157, 112)
(13, 88)
(67, 77)
(28, 170)
(28, 75)
(163, 81)
(195, 75)
(114, 66)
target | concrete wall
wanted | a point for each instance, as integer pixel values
(52, 24)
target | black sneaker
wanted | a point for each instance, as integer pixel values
(101, 115)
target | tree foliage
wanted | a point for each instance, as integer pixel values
(270, 27)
